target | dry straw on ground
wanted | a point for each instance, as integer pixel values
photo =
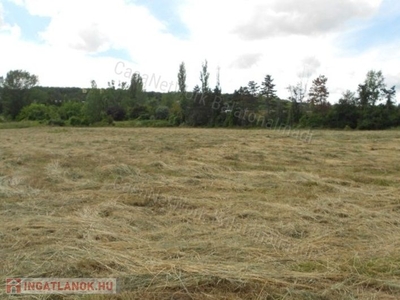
(203, 213)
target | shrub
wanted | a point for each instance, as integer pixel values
(85, 122)
(162, 112)
(75, 121)
(109, 120)
(347, 127)
(137, 111)
(116, 112)
(144, 117)
(34, 112)
(175, 120)
(104, 122)
(153, 123)
(70, 109)
(57, 122)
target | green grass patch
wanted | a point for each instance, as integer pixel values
(21, 124)
(144, 123)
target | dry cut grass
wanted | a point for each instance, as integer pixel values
(203, 213)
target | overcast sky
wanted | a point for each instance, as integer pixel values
(71, 42)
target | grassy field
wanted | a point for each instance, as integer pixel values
(177, 213)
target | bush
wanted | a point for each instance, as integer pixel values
(70, 109)
(144, 117)
(162, 112)
(153, 123)
(175, 120)
(116, 112)
(347, 128)
(85, 122)
(34, 112)
(75, 121)
(137, 111)
(104, 122)
(109, 120)
(315, 120)
(57, 122)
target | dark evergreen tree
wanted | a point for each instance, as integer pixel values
(253, 88)
(318, 94)
(268, 92)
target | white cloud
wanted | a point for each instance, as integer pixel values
(247, 61)
(1, 16)
(306, 17)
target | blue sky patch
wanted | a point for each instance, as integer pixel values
(30, 25)
(382, 29)
(114, 53)
(166, 12)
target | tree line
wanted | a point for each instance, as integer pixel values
(371, 106)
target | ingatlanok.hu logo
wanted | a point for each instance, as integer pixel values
(61, 285)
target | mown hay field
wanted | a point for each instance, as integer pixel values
(179, 213)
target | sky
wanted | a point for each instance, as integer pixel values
(69, 43)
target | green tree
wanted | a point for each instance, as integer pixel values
(34, 111)
(135, 103)
(348, 98)
(183, 101)
(297, 94)
(204, 76)
(390, 111)
(176, 114)
(217, 117)
(20, 80)
(70, 109)
(390, 94)
(38, 95)
(268, 92)
(94, 109)
(136, 89)
(318, 94)
(199, 111)
(345, 112)
(15, 91)
(267, 87)
(182, 78)
(253, 88)
(364, 96)
(217, 89)
(244, 105)
(162, 112)
(196, 90)
(374, 84)
(168, 99)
